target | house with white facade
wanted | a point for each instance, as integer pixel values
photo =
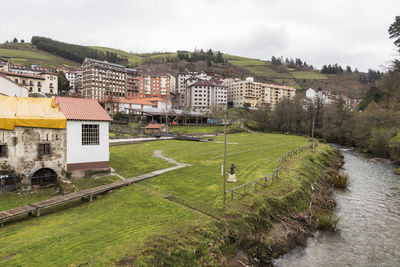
(10, 88)
(87, 135)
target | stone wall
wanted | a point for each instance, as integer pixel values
(23, 157)
(126, 129)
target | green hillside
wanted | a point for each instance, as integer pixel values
(135, 59)
(263, 69)
(26, 54)
(347, 83)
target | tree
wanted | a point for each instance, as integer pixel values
(63, 83)
(394, 31)
(348, 69)
(22, 41)
(15, 40)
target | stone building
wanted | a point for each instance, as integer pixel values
(43, 139)
(32, 141)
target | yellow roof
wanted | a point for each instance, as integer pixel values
(30, 112)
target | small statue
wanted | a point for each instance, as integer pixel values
(232, 169)
(232, 175)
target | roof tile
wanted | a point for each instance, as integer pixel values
(81, 109)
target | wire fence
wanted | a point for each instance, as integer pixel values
(244, 189)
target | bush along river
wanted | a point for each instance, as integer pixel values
(368, 233)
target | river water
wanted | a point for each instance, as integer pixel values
(369, 231)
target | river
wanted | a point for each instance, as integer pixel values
(369, 230)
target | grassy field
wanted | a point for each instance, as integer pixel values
(203, 129)
(171, 207)
(134, 59)
(25, 54)
(308, 75)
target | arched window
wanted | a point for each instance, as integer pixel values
(44, 177)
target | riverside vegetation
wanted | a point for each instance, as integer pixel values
(177, 219)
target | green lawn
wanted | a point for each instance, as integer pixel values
(137, 217)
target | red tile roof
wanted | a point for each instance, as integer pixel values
(154, 126)
(81, 109)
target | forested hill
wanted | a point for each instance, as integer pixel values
(292, 72)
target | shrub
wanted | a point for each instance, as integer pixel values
(397, 171)
(326, 219)
(339, 180)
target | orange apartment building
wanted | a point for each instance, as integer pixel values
(155, 85)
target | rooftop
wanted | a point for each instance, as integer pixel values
(81, 109)
(154, 126)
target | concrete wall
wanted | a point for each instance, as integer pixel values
(77, 153)
(23, 157)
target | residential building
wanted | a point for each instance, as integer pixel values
(132, 83)
(75, 78)
(205, 96)
(44, 83)
(256, 93)
(153, 84)
(4, 65)
(10, 88)
(273, 93)
(46, 139)
(102, 79)
(187, 78)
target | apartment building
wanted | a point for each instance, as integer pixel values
(4, 65)
(273, 93)
(132, 83)
(256, 93)
(44, 83)
(102, 79)
(152, 84)
(187, 78)
(205, 96)
(75, 79)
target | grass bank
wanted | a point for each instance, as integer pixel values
(175, 219)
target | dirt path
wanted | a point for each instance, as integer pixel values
(158, 154)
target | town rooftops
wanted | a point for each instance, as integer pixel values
(206, 83)
(152, 101)
(91, 60)
(81, 109)
(154, 126)
(7, 73)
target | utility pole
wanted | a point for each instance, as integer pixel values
(224, 168)
(312, 133)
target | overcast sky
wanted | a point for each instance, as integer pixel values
(348, 32)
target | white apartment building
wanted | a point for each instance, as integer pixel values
(205, 96)
(102, 79)
(256, 93)
(44, 83)
(189, 77)
(75, 80)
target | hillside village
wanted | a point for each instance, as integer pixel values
(97, 87)
(209, 133)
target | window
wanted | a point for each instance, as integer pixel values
(3, 151)
(90, 134)
(44, 149)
